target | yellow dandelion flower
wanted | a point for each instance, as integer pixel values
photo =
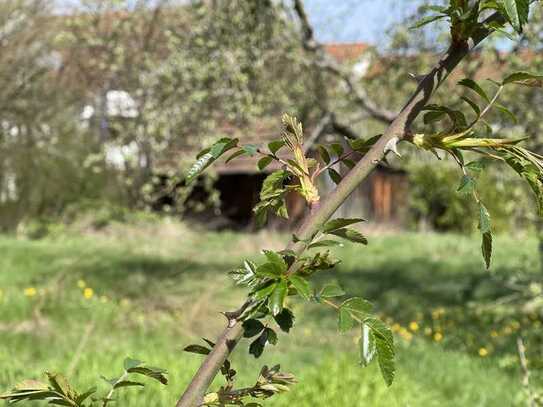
(88, 293)
(483, 352)
(81, 284)
(396, 327)
(494, 334)
(30, 291)
(438, 337)
(414, 326)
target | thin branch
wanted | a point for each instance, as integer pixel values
(395, 132)
(324, 61)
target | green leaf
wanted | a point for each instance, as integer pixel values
(277, 297)
(426, 20)
(467, 185)
(270, 270)
(331, 290)
(517, 12)
(345, 321)
(358, 306)
(271, 336)
(339, 223)
(337, 149)
(285, 320)
(210, 156)
(474, 86)
(265, 291)
(486, 248)
(325, 243)
(276, 259)
(155, 373)
(252, 327)
(351, 235)
(484, 219)
(129, 362)
(301, 285)
(249, 149)
(127, 383)
(276, 145)
(524, 78)
(367, 345)
(198, 349)
(336, 177)
(473, 105)
(264, 162)
(506, 112)
(61, 384)
(384, 345)
(235, 155)
(198, 167)
(82, 397)
(323, 152)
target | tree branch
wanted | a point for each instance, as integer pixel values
(395, 132)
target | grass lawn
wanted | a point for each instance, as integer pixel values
(80, 304)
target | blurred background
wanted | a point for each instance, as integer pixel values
(106, 252)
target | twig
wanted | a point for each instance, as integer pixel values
(195, 391)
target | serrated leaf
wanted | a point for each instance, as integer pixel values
(351, 235)
(345, 321)
(252, 327)
(367, 345)
(277, 297)
(270, 270)
(358, 306)
(331, 290)
(301, 285)
(271, 336)
(474, 86)
(484, 219)
(384, 345)
(285, 320)
(486, 248)
(339, 223)
(276, 259)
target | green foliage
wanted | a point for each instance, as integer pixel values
(60, 392)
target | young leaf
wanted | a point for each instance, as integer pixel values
(484, 219)
(285, 320)
(524, 78)
(323, 152)
(467, 185)
(486, 248)
(127, 383)
(345, 320)
(249, 149)
(276, 259)
(351, 235)
(271, 336)
(264, 292)
(198, 349)
(517, 12)
(331, 290)
(252, 327)
(276, 145)
(270, 270)
(264, 162)
(339, 223)
(153, 372)
(357, 306)
(324, 243)
(384, 345)
(367, 345)
(277, 297)
(474, 86)
(128, 363)
(336, 177)
(301, 285)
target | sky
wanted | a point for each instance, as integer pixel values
(347, 20)
(356, 20)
